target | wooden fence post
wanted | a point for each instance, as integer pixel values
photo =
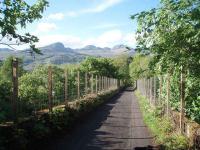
(92, 85)
(66, 86)
(96, 84)
(15, 89)
(50, 88)
(150, 92)
(106, 83)
(168, 93)
(145, 87)
(160, 93)
(99, 83)
(78, 85)
(182, 96)
(102, 81)
(86, 83)
(154, 91)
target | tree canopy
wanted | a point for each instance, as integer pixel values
(15, 14)
(171, 35)
(139, 67)
(99, 66)
(171, 32)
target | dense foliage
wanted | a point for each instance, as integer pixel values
(99, 66)
(171, 34)
(6, 87)
(117, 67)
(139, 67)
(18, 13)
(121, 62)
(33, 85)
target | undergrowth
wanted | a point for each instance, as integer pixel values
(161, 127)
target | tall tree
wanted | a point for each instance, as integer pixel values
(171, 33)
(99, 66)
(15, 14)
(139, 67)
(121, 62)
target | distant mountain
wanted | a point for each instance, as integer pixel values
(91, 47)
(106, 51)
(56, 48)
(119, 47)
(94, 51)
(57, 53)
(5, 50)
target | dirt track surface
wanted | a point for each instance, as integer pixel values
(116, 125)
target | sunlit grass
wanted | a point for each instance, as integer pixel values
(161, 127)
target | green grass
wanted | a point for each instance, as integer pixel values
(161, 127)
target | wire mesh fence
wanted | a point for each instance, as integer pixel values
(161, 94)
(46, 87)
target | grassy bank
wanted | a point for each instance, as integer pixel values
(36, 131)
(161, 127)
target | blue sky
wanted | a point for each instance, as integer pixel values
(77, 23)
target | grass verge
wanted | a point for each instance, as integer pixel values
(161, 127)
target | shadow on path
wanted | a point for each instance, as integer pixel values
(117, 124)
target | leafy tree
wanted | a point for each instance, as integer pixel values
(33, 86)
(139, 67)
(6, 69)
(99, 66)
(121, 62)
(171, 34)
(6, 86)
(18, 13)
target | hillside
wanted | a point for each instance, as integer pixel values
(57, 53)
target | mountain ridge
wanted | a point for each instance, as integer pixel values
(57, 53)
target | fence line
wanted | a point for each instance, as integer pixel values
(54, 86)
(146, 85)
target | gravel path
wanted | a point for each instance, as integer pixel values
(116, 125)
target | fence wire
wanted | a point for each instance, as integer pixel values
(46, 87)
(160, 96)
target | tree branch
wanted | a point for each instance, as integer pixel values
(9, 45)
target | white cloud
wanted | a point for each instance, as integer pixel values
(106, 39)
(45, 27)
(104, 5)
(130, 39)
(109, 38)
(67, 40)
(71, 14)
(56, 16)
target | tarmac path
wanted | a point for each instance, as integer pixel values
(116, 125)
